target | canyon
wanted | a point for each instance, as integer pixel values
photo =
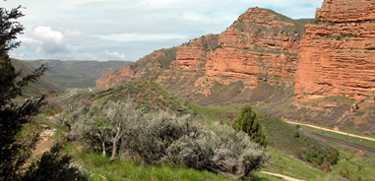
(260, 46)
(318, 70)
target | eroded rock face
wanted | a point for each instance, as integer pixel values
(261, 46)
(260, 43)
(338, 58)
(346, 10)
(240, 64)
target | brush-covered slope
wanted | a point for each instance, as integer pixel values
(258, 51)
(78, 74)
(147, 95)
(150, 96)
(43, 85)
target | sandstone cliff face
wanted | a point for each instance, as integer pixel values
(261, 46)
(346, 10)
(338, 58)
(261, 43)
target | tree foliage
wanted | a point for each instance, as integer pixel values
(16, 146)
(248, 123)
(105, 123)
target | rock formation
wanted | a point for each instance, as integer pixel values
(261, 46)
(337, 53)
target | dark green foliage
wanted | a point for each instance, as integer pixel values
(16, 145)
(248, 123)
(13, 150)
(317, 155)
(54, 166)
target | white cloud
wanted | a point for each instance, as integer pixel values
(47, 34)
(140, 37)
(73, 33)
(43, 40)
(115, 55)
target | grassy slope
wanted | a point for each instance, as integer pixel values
(131, 170)
(147, 93)
(352, 116)
(32, 90)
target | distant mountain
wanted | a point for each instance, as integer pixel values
(78, 74)
(42, 86)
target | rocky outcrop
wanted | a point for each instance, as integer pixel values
(346, 10)
(338, 58)
(261, 46)
(237, 63)
(261, 43)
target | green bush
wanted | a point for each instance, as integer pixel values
(317, 155)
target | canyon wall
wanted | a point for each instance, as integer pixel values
(260, 46)
(337, 53)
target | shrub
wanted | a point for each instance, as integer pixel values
(223, 151)
(317, 155)
(53, 103)
(177, 140)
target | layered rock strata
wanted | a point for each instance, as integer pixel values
(337, 53)
(261, 46)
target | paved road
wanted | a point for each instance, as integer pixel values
(330, 130)
(282, 176)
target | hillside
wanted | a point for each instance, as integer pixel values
(322, 75)
(261, 47)
(77, 74)
(150, 96)
(42, 86)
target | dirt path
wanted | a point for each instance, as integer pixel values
(282, 176)
(45, 142)
(330, 130)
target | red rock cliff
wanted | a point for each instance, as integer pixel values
(260, 46)
(260, 43)
(338, 57)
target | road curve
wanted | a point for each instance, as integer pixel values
(282, 176)
(330, 130)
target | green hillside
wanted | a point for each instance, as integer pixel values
(42, 86)
(77, 74)
(150, 96)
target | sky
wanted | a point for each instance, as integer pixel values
(129, 29)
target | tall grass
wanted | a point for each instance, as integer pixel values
(127, 169)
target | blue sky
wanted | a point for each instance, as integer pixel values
(129, 29)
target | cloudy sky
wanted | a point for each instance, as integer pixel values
(129, 29)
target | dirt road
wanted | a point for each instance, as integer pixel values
(282, 176)
(330, 130)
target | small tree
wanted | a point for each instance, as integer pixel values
(108, 122)
(248, 123)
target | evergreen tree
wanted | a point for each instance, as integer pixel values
(248, 123)
(13, 151)
(17, 146)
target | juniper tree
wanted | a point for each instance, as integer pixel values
(16, 146)
(13, 152)
(248, 123)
